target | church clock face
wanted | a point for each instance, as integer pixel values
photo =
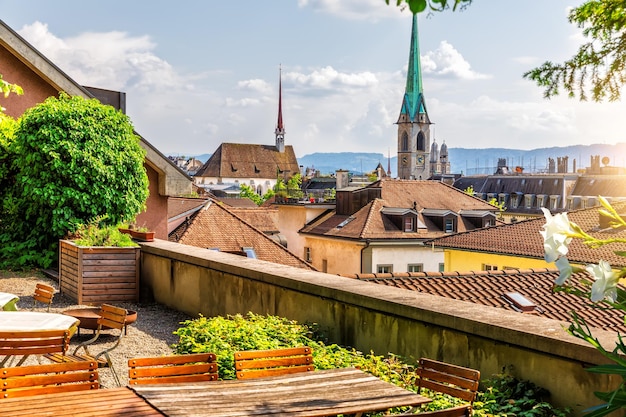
(405, 160)
(420, 160)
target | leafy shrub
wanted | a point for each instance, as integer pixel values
(504, 396)
(95, 233)
(74, 159)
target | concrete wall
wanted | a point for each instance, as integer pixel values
(371, 317)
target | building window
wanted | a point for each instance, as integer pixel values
(489, 267)
(307, 254)
(442, 267)
(415, 268)
(405, 142)
(384, 269)
(449, 226)
(324, 265)
(408, 224)
(421, 142)
(529, 201)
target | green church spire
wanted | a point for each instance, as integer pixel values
(413, 101)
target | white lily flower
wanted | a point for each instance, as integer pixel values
(555, 235)
(565, 270)
(605, 282)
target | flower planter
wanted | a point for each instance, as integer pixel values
(93, 275)
(143, 236)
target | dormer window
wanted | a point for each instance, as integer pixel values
(404, 219)
(409, 224)
(445, 219)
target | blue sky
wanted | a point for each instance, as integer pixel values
(199, 73)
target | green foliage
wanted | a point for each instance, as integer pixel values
(418, 6)
(226, 335)
(469, 190)
(499, 205)
(248, 192)
(508, 396)
(97, 233)
(75, 159)
(7, 88)
(599, 65)
(289, 188)
(7, 132)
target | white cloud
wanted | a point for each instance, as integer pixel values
(112, 59)
(331, 80)
(255, 85)
(372, 10)
(447, 62)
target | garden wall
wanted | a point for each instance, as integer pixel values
(372, 317)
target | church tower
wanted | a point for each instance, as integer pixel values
(413, 123)
(280, 129)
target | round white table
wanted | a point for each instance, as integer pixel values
(34, 320)
(8, 301)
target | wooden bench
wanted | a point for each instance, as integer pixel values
(446, 378)
(176, 368)
(261, 363)
(46, 379)
(14, 344)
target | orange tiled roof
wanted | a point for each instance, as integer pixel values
(180, 205)
(370, 223)
(242, 160)
(214, 226)
(523, 239)
(263, 218)
(489, 288)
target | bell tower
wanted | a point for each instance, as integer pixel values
(414, 123)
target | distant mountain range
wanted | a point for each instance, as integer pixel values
(470, 161)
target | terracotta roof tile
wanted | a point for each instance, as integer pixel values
(523, 239)
(180, 205)
(216, 227)
(263, 218)
(488, 288)
(242, 160)
(370, 223)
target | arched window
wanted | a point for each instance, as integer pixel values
(421, 141)
(405, 142)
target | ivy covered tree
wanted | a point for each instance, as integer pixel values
(598, 69)
(73, 159)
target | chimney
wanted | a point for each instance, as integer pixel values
(342, 179)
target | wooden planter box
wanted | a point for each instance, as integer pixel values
(93, 275)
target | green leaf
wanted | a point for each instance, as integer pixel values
(417, 6)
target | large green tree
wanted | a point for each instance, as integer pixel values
(598, 69)
(74, 160)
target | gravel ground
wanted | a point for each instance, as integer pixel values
(150, 335)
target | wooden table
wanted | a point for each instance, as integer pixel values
(317, 393)
(112, 402)
(16, 326)
(35, 320)
(8, 301)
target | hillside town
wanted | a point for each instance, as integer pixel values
(426, 263)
